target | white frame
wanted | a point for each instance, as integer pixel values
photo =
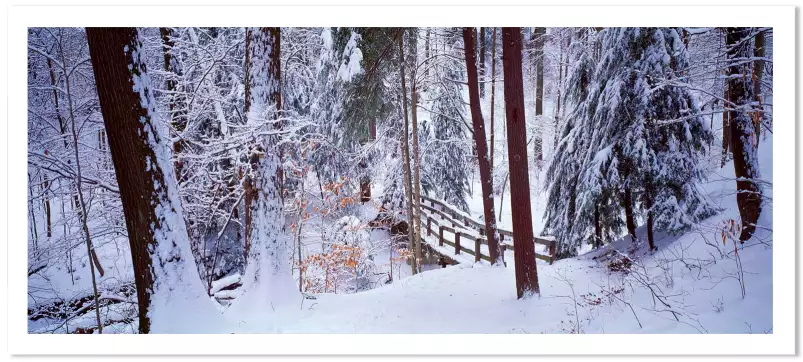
(781, 18)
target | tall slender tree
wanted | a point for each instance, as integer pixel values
(482, 62)
(744, 138)
(538, 36)
(493, 91)
(408, 185)
(524, 247)
(469, 44)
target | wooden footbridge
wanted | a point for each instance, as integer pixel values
(445, 225)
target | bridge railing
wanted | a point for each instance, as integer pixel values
(464, 228)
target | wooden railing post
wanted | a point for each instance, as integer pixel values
(477, 251)
(429, 225)
(552, 251)
(457, 242)
(440, 236)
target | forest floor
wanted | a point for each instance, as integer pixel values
(692, 283)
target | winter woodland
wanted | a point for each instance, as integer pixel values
(400, 180)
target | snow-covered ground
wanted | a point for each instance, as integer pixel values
(691, 284)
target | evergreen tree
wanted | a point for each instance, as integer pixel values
(449, 150)
(637, 129)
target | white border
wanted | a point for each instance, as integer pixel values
(782, 19)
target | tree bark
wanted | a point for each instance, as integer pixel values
(45, 195)
(597, 242)
(743, 137)
(416, 172)
(649, 193)
(178, 120)
(758, 72)
(539, 34)
(524, 246)
(649, 230)
(482, 62)
(263, 88)
(469, 40)
(726, 133)
(34, 231)
(493, 90)
(408, 192)
(156, 230)
(559, 96)
(628, 206)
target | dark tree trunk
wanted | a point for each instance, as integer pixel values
(597, 242)
(178, 119)
(726, 133)
(648, 203)
(34, 231)
(45, 195)
(649, 230)
(482, 62)
(538, 35)
(141, 182)
(493, 93)
(744, 140)
(631, 220)
(524, 247)
(469, 39)
(758, 72)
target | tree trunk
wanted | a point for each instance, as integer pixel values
(493, 90)
(408, 192)
(469, 39)
(34, 231)
(524, 247)
(648, 204)
(649, 230)
(539, 34)
(744, 140)
(631, 221)
(93, 256)
(178, 120)
(559, 96)
(597, 242)
(156, 230)
(427, 52)
(758, 72)
(726, 133)
(90, 250)
(482, 62)
(268, 274)
(416, 172)
(45, 195)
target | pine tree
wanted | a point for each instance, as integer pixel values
(563, 171)
(449, 150)
(636, 136)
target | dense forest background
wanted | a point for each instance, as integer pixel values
(184, 172)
